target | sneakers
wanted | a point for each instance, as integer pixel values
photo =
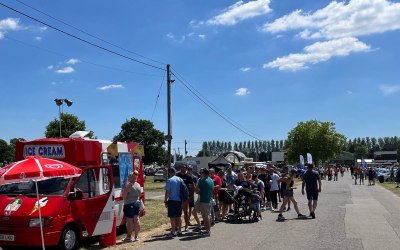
(300, 216)
(127, 239)
(179, 233)
(312, 214)
(280, 217)
(174, 234)
(197, 229)
(206, 233)
(137, 238)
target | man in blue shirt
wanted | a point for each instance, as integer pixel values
(173, 202)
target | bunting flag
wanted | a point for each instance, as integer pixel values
(174, 155)
(363, 163)
(112, 150)
(301, 162)
(309, 158)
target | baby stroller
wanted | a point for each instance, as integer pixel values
(241, 204)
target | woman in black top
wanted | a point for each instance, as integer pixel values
(288, 196)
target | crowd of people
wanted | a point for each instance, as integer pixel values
(265, 186)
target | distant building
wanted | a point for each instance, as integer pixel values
(202, 161)
(385, 157)
(345, 158)
(278, 157)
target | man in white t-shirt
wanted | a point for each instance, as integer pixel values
(274, 187)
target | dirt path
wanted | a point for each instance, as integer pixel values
(134, 245)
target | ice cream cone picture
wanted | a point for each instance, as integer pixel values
(42, 202)
(12, 206)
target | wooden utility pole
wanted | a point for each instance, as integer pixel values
(169, 136)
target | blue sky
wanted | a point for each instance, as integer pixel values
(263, 65)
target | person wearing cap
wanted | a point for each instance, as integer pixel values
(132, 206)
(173, 202)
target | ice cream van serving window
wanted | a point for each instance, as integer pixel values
(114, 162)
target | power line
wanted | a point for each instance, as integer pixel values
(158, 97)
(81, 39)
(212, 107)
(93, 36)
(84, 61)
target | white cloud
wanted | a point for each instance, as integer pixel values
(349, 92)
(241, 11)
(73, 61)
(50, 67)
(245, 69)
(38, 38)
(338, 19)
(242, 91)
(65, 70)
(111, 86)
(177, 40)
(9, 24)
(187, 37)
(389, 89)
(319, 52)
(170, 35)
(43, 28)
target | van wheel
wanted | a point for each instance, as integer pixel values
(69, 238)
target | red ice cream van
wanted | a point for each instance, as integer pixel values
(71, 208)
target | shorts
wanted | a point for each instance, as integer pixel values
(268, 195)
(131, 209)
(287, 193)
(205, 210)
(312, 196)
(222, 196)
(255, 206)
(174, 209)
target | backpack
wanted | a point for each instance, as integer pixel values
(184, 191)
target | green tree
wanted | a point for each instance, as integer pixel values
(69, 125)
(315, 137)
(143, 131)
(360, 150)
(6, 155)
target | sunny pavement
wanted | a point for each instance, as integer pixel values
(348, 217)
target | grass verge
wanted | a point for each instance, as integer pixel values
(156, 215)
(151, 186)
(391, 186)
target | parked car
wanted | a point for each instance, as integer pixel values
(149, 171)
(385, 173)
(160, 175)
(193, 164)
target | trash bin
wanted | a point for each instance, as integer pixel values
(381, 179)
